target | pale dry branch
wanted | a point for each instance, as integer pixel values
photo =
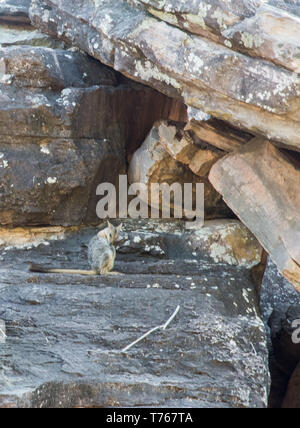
(160, 327)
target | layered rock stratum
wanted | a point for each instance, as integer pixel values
(234, 62)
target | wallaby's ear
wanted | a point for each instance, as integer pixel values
(119, 228)
(109, 225)
(102, 234)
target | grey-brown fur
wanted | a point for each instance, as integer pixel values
(101, 251)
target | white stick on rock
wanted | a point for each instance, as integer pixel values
(160, 327)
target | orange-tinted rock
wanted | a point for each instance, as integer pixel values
(184, 148)
(260, 184)
(152, 164)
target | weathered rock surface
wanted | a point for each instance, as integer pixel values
(246, 91)
(56, 101)
(214, 132)
(265, 197)
(292, 398)
(15, 28)
(55, 189)
(15, 11)
(186, 148)
(286, 352)
(42, 68)
(27, 237)
(279, 300)
(155, 162)
(65, 333)
(51, 110)
(259, 28)
(277, 295)
(218, 241)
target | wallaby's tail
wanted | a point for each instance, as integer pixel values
(37, 268)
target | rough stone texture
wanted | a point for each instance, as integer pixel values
(278, 297)
(184, 147)
(152, 163)
(227, 241)
(65, 333)
(27, 237)
(292, 398)
(52, 150)
(248, 92)
(26, 35)
(15, 11)
(55, 189)
(215, 132)
(219, 241)
(56, 101)
(42, 68)
(52, 112)
(15, 28)
(286, 353)
(266, 199)
(143, 109)
(255, 27)
(270, 34)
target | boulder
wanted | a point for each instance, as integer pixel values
(153, 164)
(278, 304)
(48, 101)
(56, 101)
(187, 149)
(265, 197)
(215, 132)
(248, 92)
(37, 67)
(266, 29)
(41, 185)
(226, 241)
(292, 397)
(218, 241)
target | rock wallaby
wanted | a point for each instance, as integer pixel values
(101, 255)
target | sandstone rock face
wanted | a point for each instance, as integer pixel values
(259, 183)
(292, 400)
(68, 123)
(170, 156)
(187, 149)
(249, 92)
(15, 28)
(65, 343)
(55, 102)
(51, 111)
(226, 242)
(216, 132)
(254, 27)
(52, 188)
(280, 307)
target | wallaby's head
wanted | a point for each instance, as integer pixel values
(110, 233)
